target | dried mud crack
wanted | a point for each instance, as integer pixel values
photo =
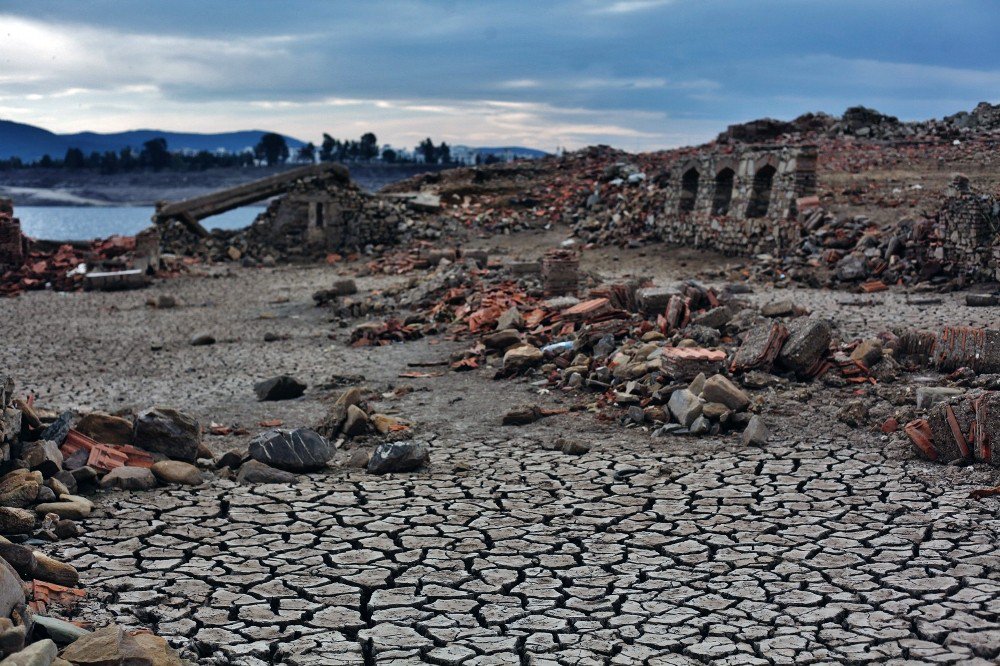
(804, 551)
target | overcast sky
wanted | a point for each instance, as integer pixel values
(637, 74)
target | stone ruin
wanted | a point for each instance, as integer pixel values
(738, 202)
(967, 232)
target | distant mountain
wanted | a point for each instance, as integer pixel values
(30, 143)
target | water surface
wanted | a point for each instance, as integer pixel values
(88, 222)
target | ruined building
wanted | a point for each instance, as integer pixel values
(968, 233)
(739, 202)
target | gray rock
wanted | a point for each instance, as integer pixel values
(756, 432)
(282, 387)
(300, 450)
(44, 456)
(41, 653)
(129, 478)
(202, 339)
(399, 457)
(719, 389)
(808, 343)
(700, 426)
(714, 318)
(60, 631)
(11, 590)
(685, 407)
(253, 471)
(168, 431)
(852, 267)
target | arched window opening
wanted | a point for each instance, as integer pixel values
(723, 191)
(760, 197)
(689, 190)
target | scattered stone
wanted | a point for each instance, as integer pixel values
(11, 637)
(718, 388)
(282, 387)
(253, 471)
(17, 521)
(807, 345)
(778, 309)
(511, 319)
(60, 631)
(202, 339)
(19, 488)
(168, 431)
(43, 456)
(299, 450)
(72, 507)
(128, 478)
(344, 287)
(756, 433)
(176, 471)
(106, 429)
(356, 422)
(981, 300)
(332, 423)
(358, 459)
(58, 429)
(398, 457)
(502, 339)
(685, 406)
(573, 447)
(231, 459)
(40, 653)
(522, 357)
(868, 352)
(11, 590)
(54, 571)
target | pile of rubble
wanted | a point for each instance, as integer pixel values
(118, 262)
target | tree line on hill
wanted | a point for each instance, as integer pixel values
(271, 150)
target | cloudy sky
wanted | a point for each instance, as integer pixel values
(638, 74)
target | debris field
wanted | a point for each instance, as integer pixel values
(539, 413)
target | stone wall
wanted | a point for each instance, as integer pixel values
(327, 216)
(968, 230)
(738, 202)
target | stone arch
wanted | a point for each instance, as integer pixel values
(689, 190)
(723, 197)
(760, 195)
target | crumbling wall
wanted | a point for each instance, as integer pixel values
(969, 228)
(13, 246)
(323, 215)
(742, 201)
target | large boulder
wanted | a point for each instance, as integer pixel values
(300, 450)
(399, 457)
(168, 431)
(282, 387)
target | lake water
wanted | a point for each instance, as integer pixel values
(87, 223)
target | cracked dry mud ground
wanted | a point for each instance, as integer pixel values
(822, 546)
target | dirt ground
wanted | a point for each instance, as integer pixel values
(828, 544)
